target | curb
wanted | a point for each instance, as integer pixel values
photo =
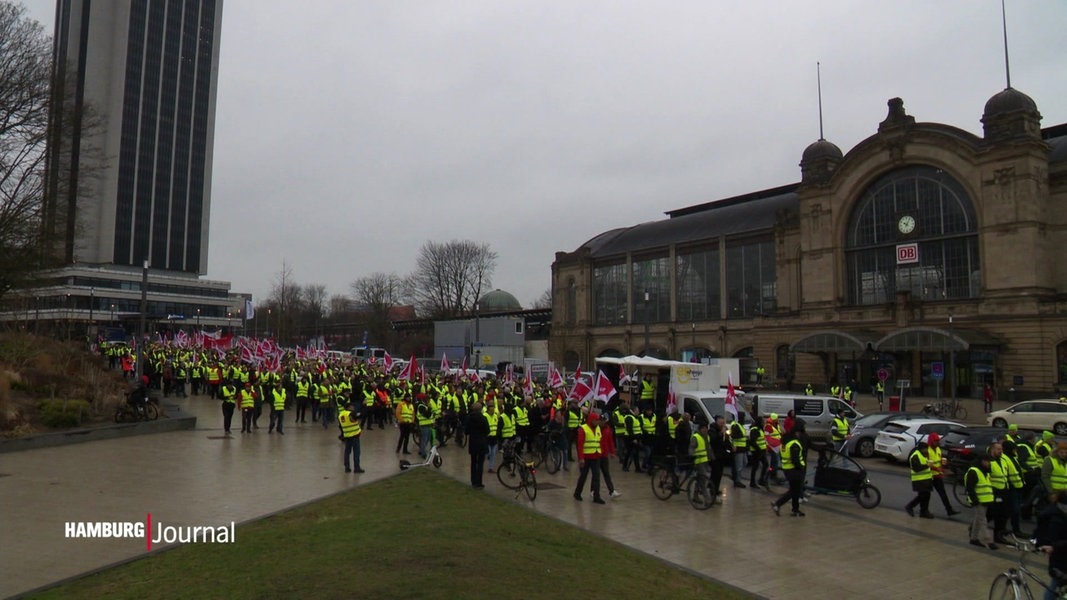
(176, 419)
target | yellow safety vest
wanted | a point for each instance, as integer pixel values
(700, 455)
(620, 424)
(1058, 477)
(407, 412)
(648, 424)
(592, 440)
(507, 430)
(739, 442)
(229, 394)
(574, 419)
(648, 391)
(247, 401)
(787, 455)
(998, 474)
(982, 488)
(279, 399)
(840, 429)
(1033, 461)
(349, 424)
(933, 459)
(672, 424)
(923, 475)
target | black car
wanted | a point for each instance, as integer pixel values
(866, 428)
(962, 446)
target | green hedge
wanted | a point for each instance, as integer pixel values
(64, 413)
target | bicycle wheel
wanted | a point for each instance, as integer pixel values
(664, 483)
(120, 415)
(868, 496)
(151, 413)
(700, 499)
(1006, 588)
(529, 483)
(959, 492)
(555, 460)
(437, 461)
(961, 413)
(508, 474)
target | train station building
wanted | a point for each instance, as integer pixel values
(925, 250)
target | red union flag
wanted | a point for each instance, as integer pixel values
(602, 389)
(731, 397)
(907, 254)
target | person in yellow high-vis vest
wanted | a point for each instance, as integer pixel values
(795, 467)
(589, 457)
(980, 492)
(278, 398)
(350, 433)
(922, 481)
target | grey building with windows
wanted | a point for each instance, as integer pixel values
(925, 249)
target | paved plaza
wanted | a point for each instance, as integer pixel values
(202, 477)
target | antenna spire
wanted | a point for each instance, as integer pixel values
(818, 78)
(1004, 22)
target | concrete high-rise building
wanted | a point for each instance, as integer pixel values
(130, 179)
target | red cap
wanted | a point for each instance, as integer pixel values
(144, 379)
(933, 438)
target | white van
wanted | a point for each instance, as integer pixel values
(363, 353)
(705, 405)
(818, 412)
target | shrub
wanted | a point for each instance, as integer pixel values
(64, 413)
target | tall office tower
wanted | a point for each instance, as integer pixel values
(130, 154)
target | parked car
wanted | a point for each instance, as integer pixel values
(961, 446)
(867, 427)
(899, 438)
(1039, 415)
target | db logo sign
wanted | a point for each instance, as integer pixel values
(907, 254)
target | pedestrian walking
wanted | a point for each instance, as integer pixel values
(350, 434)
(795, 467)
(921, 481)
(757, 455)
(607, 452)
(937, 464)
(477, 428)
(588, 439)
(980, 493)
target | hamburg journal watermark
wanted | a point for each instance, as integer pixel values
(151, 532)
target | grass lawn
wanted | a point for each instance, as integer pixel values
(417, 535)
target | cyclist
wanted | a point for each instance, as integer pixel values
(138, 398)
(1052, 540)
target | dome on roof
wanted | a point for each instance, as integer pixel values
(498, 301)
(821, 149)
(1008, 101)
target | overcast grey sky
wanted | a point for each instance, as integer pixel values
(350, 132)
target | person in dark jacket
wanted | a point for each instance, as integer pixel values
(477, 443)
(1052, 540)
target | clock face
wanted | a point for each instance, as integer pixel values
(906, 224)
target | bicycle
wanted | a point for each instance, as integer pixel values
(517, 472)
(1012, 584)
(452, 429)
(548, 450)
(946, 409)
(128, 413)
(665, 483)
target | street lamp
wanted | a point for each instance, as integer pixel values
(92, 301)
(229, 326)
(198, 319)
(112, 315)
(647, 317)
(694, 329)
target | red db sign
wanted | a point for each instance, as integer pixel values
(907, 254)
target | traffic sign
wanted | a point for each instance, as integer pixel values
(903, 383)
(937, 370)
(883, 374)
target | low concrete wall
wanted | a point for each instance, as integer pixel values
(176, 419)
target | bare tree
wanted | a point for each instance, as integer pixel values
(376, 295)
(545, 300)
(339, 306)
(25, 77)
(449, 277)
(285, 298)
(314, 301)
